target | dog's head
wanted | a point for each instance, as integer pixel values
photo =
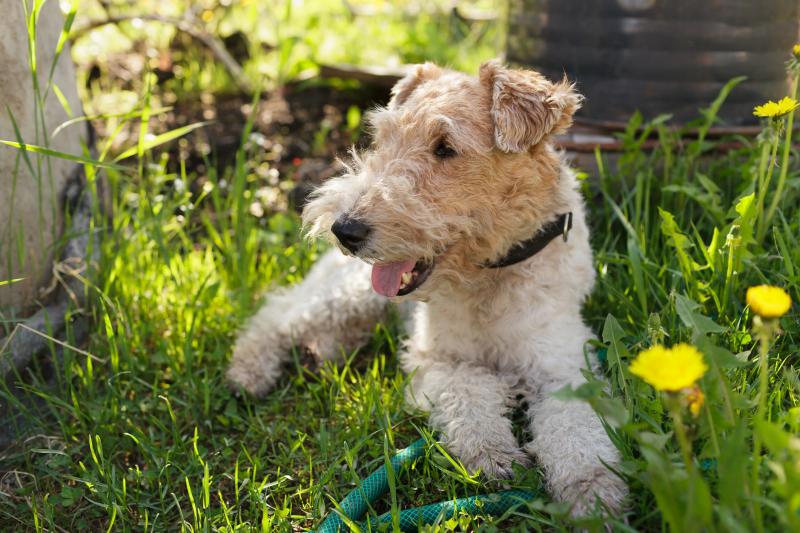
(459, 170)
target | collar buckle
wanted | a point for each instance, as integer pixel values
(567, 226)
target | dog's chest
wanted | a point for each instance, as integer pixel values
(456, 329)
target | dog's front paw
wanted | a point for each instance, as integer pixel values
(495, 462)
(240, 378)
(253, 369)
(602, 484)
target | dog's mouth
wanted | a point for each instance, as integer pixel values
(400, 277)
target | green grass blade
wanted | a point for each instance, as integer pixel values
(159, 140)
(63, 155)
(105, 116)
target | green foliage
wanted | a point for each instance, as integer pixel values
(287, 40)
(688, 263)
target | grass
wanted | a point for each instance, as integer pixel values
(138, 432)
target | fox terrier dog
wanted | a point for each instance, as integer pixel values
(463, 208)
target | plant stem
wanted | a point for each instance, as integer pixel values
(764, 187)
(787, 148)
(713, 433)
(686, 452)
(763, 370)
(680, 433)
(732, 242)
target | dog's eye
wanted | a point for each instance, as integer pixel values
(443, 150)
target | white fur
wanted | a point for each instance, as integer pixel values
(468, 357)
(477, 336)
(333, 310)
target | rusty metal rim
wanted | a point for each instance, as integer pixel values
(714, 131)
(619, 146)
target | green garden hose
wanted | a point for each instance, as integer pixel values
(355, 504)
(486, 505)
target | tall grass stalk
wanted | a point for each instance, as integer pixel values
(787, 148)
(766, 168)
(765, 331)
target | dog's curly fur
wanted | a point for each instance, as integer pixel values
(477, 336)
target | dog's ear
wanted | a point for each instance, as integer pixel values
(419, 74)
(526, 106)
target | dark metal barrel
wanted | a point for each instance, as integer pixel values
(658, 56)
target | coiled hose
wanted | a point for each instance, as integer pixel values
(355, 504)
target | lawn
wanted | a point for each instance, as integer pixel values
(136, 430)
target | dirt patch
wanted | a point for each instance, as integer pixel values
(297, 135)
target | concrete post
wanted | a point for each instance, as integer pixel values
(31, 217)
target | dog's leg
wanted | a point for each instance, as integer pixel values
(467, 404)
(333, 308)
(571, 445)
(569, 440)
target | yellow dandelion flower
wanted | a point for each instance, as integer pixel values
(670, 369)
(776, 109)
(768, 302)
(796, 50)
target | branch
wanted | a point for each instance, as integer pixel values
(209, 41)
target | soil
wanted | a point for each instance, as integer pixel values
(297, 135)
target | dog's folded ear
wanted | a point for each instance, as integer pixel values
(419, 74)
(526, 106)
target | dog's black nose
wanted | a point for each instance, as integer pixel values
(351, 232)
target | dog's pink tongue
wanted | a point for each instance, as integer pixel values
(386, 278)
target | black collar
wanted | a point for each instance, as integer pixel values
(530, 247)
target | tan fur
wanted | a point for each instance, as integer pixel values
(479, 335)
(526, 107)
(468, 210)
(403, 89)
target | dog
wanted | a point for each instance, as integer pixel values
(463, 211)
